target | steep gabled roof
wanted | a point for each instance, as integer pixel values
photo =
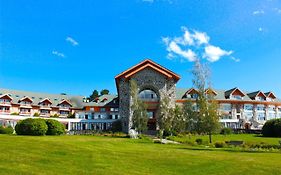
(144, 64)
(6, 95)
(231, 91)
(25, 98)
(270, 94)
(45, 99)
(253, 95)
(210, 90)
(65, 101)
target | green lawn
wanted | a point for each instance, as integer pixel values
(247, 138)
(106, 155)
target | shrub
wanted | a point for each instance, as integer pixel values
(6, 130)
(54, 127)
(36, 114)
(71, 115)
(220, 144)
(272, 128)
(116, 126)
(15, 113)
(199, 141)
(31, 127)
(55, 116)
(226, 131)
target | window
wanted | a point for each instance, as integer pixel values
(102, 109)
(148, 95)
(261, 116)
(271, 108)
(150, 114)
(114, 109)
(194, 96)
(248, 115)
(248, 107)
(259, 98)
(260, 107)
(23, 110)
(271, 116)
(225, 107)
(237, 97)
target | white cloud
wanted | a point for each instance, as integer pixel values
(235, 59)
(59, 54)
(192, 45)
(258, 12)
(72, 41)
(213, 53)
(201, 37)
(175, 48)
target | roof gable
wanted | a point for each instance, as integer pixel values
(145, 64)
(270, 94)
(6, 95)
(26, 99)
(65, 101)
(45, 100)
(234, 91)
(253, 95)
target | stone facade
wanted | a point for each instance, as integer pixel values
(147, 78)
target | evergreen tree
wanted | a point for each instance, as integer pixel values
(94, 95)
(104, 92)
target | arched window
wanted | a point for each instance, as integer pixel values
(148, 95)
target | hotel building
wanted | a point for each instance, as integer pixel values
(237, 108)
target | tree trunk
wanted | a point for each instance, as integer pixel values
(210, 137)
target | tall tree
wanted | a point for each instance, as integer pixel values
(104, 92)
(190, 116)
(138, 108)
(178, 122)
(165, 117)
(94, 95)
(207, 119)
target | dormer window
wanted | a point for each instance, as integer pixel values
(237, 97)
(5, 99)
(234, 93)
(270, 96)
(260, 98)
(194, 96)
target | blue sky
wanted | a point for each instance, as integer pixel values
(75, 47)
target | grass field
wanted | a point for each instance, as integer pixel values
(107, 155)
(247, 138)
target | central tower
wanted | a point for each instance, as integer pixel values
(153, 81)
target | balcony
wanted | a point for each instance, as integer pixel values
(5, 103)
(47, 107)
(64, 108)
(4, 111)
(25, 113)
(26, 106)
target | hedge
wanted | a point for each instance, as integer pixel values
(31, 127)
(54, 127)
(272, 128)
(6, 130)
(39, 127)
